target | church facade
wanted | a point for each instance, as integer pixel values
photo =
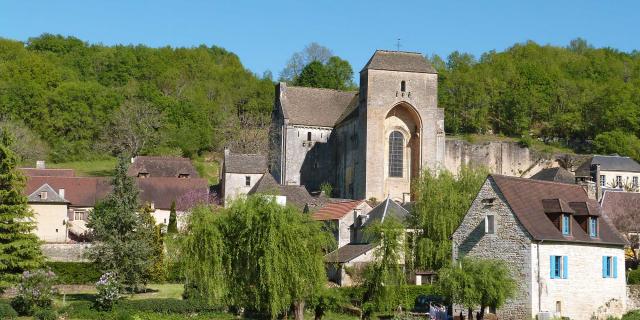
(367, 144)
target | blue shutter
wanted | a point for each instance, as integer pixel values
(604, 267)
(553, 267)
(565, 267)
(615, 267)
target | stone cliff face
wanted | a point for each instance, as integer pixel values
(503, 157)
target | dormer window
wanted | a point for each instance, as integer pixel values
(143, 174)
(403, 86)
(566, 225)
(43, 195)
(183, 175)
(593, 227)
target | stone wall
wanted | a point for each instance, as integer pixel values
(510, 243)
(633, 297)
(65, 252)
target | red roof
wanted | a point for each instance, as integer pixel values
(79, 191)
(335, 210)
(48, 172)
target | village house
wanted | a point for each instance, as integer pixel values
(610, 172)
(62, 201)
(566, 258)
(240, 173)
(557, 174)
(296, 196)
(345, 264)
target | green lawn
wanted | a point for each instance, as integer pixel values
(91, 168)
(208, 168)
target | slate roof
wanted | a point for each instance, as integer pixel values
(245, 163)
(399, 61)
(79, 191)
(314, 106)
(608, 163)
(162, 167)
(335, 210)
(623, 209)
(162, 191)
(556, 175)
(525, 198)
(48, 172)
(387, 208)
(52, 195)
(347, 253)
(298, 196)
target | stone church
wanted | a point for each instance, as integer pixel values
(367, 144)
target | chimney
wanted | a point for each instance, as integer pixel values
(596, 168)
(40, 164)
(61, 193)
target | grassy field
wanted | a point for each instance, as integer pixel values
(208, 167)
(92, 168)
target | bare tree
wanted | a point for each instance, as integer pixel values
(135, 126)
(627, 221)
(28, 145)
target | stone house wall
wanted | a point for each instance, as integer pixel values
(511, 243)
(50, 221)
(235, 184)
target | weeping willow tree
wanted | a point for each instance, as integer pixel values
(275, 256)
(203, 257)
(385, 276)
(442, 200)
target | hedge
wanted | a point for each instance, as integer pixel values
(634, 277)
(75, 272)
(7, 312)
(411, 292)
(126, 308)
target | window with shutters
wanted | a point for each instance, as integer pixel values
(559, 267)
(609, 267)
(396, 150)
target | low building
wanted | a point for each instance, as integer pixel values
(611, 172)
(557, 174)
(564, 255)
(296, 196)
(240, 173)
(167, 167)
(341, 218)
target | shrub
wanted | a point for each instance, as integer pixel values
(7, 312)
(166, 306)
(75, 272)
(634, 277)
(35, 290)
(411, 292)
(108, 291)
(45, 314)
(633, 315)
(525, 141)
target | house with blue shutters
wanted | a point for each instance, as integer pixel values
(566, 257)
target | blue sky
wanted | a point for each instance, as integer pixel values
(265, 33)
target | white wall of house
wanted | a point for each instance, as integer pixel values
(235, 184)
(585, 293)
(626, 177)
(50, 221)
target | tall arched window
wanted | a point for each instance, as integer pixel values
(396, 146)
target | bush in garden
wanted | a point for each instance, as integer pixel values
(634, 277)
(35, 290)
(108, 291)
(45, 314)
(7, 312)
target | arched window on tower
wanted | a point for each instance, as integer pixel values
(396, 146)
(403, 86)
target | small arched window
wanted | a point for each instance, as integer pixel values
(403, 86)
(396, 146)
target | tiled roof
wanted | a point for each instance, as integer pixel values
(79, 191)
(314, 106)
(347, 253)
(555, 174)
(335, 210)
(52, 195)
(245, 163)
(162, 167)
(48, 172)
(623, 209)
(163, 191)
(608, 163)
(387, 208)
(525, 198)
(399, 61)
(298, 196)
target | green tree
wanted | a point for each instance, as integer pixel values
(157, 270)
(477, 282)
(172, 228)
(385, 276)
(618, 141)
(442, 200)
(19, 247)
(275, 256)
(124, 241)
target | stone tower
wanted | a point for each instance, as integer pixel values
(401, 128)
